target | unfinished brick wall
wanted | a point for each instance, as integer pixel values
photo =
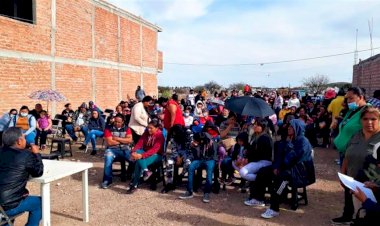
(97, 52)
(366, 74)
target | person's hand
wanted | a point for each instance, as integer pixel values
(179, 161)
(136, 156)
(371, 185)
(359, 194)
(35, 149)
(276, 172)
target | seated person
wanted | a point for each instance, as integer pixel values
(95, 127)
(187, 117)
(222, 117)
(27, 123)
(147, 151)
(259, 153)
(198, 109)
(118, 140)
(204, 154)
(44, 125)
(17, 165)
(80, 120)
(67, 118)
(205, 117)
(236, 159)
(293, 153)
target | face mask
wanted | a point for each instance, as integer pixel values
(13, 115)
(205, 115)
(187, 114)
(352, 106)
(24, 114)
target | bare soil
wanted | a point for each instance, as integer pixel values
(113, 207)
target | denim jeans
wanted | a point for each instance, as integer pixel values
(30, 138)
(71, 132)
(92, 135)
(142, 164)
(209, 166)
(109, 156)
(31, 204)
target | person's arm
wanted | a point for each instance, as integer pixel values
(108, 138)
(125, 140)
(50, 124)
(32, 126)
(102, 123)
(140, 143)
(34, 165)
(344, 166)
(172, 110)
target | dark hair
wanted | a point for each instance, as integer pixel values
(262, 122)
(162, 100)
(175, 97)
(66, 105)
(12, 110)
(243, 137)
(376, 94)
(341, 92)
(24, 107)
(119, 116)
(147, 99)
(11, 135)
(357, 91)
(43, 111)
(155, 122)
(232, 115)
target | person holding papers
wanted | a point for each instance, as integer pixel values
(359, 147)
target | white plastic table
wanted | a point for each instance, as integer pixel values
(54, 170)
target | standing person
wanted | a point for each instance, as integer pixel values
(68, 114)
(375, 100)
(139, 94)
(139, 118)
(349, 126)
(44, 125)
(4, 122)
(27, 123)
(17, 165)
(294, 101)
(191, 98)
(95, 127)
(278, 102)
(173, 114)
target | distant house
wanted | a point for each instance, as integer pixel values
(367, 74)
(87, 50)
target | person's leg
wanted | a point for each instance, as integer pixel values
(225, 167)
(84, 130)
(95, 134)
(249, 171)
(135, 136)
(210, 164)
(195, 164)
(279, 186)
(30, 138)
(43, 137)
(70, 130)
(31, 204)
(221, 155)
(138, 170)
(109, 156)
(88, 138)
(38, 135)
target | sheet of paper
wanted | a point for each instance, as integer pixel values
(350, 183)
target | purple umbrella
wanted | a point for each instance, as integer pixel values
(47, 95)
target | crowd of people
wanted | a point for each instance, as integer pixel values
(266, 154)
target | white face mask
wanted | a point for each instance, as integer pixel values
(187, 114)
(24, 114)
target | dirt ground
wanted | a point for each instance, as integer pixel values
(145, 207)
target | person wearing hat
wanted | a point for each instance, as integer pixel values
(80, 121)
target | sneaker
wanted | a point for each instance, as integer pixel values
(206, 198)
(269, 213)
(147, 174)
(82, 147)
(342, 220)
(230, 181)
(254, 202)
(105, 184)
(131, 189)
(187, 195)
(93, 152)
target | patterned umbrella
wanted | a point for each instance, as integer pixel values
(47, 95)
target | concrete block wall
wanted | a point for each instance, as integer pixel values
(85, 49)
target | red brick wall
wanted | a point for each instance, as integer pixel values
(74, 63)
(22, 78)
(367, 75)
(73, 36)
(26, 37)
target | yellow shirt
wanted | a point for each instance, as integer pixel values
(282, 113)
(336, 106)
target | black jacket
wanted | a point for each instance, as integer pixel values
(261, 149)
(96, 123)
(16, 166)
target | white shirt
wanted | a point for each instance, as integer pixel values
(191, 98)
(278, 102)
(80, 120)
(294, 102)
(188, 121)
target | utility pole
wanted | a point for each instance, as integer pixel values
(356, 49)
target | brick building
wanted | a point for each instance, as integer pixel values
(367, 74)
(85, 49)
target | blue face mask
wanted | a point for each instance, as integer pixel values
(352, 106)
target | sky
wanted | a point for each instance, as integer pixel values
(233, 41)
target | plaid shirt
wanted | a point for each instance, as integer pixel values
(234, 131)
(374, 102)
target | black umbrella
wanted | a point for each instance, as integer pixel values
(250, 106)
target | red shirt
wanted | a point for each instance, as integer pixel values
(151, 144)
(178, 116)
